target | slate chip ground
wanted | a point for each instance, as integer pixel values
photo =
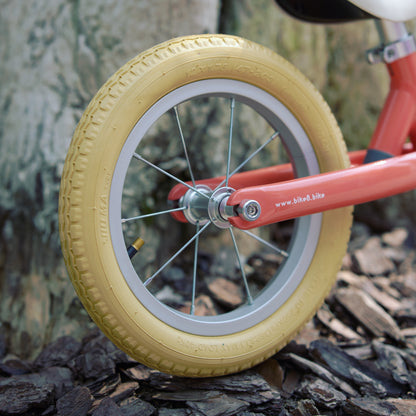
(356, 357)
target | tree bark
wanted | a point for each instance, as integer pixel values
(54, 55)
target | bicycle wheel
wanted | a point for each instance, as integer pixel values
(144, 227)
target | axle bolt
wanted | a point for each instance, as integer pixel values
(250, 210)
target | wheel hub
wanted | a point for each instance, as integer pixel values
(203, 205)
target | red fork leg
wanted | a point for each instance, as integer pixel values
(250, 178)
(263, 176)
(279, 179)
(304, 196)
(270, 174)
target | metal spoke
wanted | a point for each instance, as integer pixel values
(153, 214)
(175, 109)
(141, 158)
(195, 267)
(266, 243)
(271, 138)
(243, 273)
(149, 280)
(230, 139)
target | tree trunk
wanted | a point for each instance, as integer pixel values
(54, 55)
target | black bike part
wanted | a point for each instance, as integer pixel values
(374, 155)
(323, 11)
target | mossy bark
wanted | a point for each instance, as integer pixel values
(54, 55)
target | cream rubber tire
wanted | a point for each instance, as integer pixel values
(115, 125)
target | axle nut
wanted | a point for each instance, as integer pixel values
(250, 210)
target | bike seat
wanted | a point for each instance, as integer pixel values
(335, 11)
(397, 10)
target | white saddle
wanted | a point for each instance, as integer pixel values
(395, 10)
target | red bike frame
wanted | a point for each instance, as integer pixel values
(360, 183)
(281, 197)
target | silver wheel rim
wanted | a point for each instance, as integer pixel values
(306, 232)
